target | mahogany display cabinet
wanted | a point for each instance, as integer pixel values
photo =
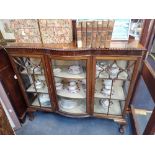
(78, 82)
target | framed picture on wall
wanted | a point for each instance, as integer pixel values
(121, 29)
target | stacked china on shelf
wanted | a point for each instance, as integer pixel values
(111, 85)
(70, 83)
(33, 77)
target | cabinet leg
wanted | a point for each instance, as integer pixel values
(31, 116)
(122, 122)
(122, 128)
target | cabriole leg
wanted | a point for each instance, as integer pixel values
(122, 122)
(122, 128)
(31, 116)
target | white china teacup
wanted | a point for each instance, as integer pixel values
(105, 103)
(107, 86)
(72, 88)
(39, 84)
(106, 91)
(72, 83)
(74, 69)
(59, 86)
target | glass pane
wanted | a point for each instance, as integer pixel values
(143, 106)
(32, 74)
(153, 48)
(70, 83)
(112, 85)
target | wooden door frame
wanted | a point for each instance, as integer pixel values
(137, 60)
(87, 58)
(148, 32)
(30, 108)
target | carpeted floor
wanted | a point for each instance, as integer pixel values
(54, 124)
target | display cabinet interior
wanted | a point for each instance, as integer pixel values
(111, 84)
(32, 75)
(70, 76)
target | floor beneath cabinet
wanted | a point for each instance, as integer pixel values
(54, 124)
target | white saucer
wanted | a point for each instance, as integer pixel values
(56, 70)
(63, 106)
(73, 91)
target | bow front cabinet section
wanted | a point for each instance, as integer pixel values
(78, 82)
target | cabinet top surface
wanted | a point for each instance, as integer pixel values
(115, 45)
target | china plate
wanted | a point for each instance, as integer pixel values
(75, 72)
(67, 107)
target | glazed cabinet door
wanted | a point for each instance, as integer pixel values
(31, 74)
(113, 82)
(71, 83)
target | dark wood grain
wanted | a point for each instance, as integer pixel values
(11, 85)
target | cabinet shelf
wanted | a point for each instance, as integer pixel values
(121, 76)
(115, 108)
(31, 72)
(65, 93)
(42, 90)
(36, 103)
(65, 74)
